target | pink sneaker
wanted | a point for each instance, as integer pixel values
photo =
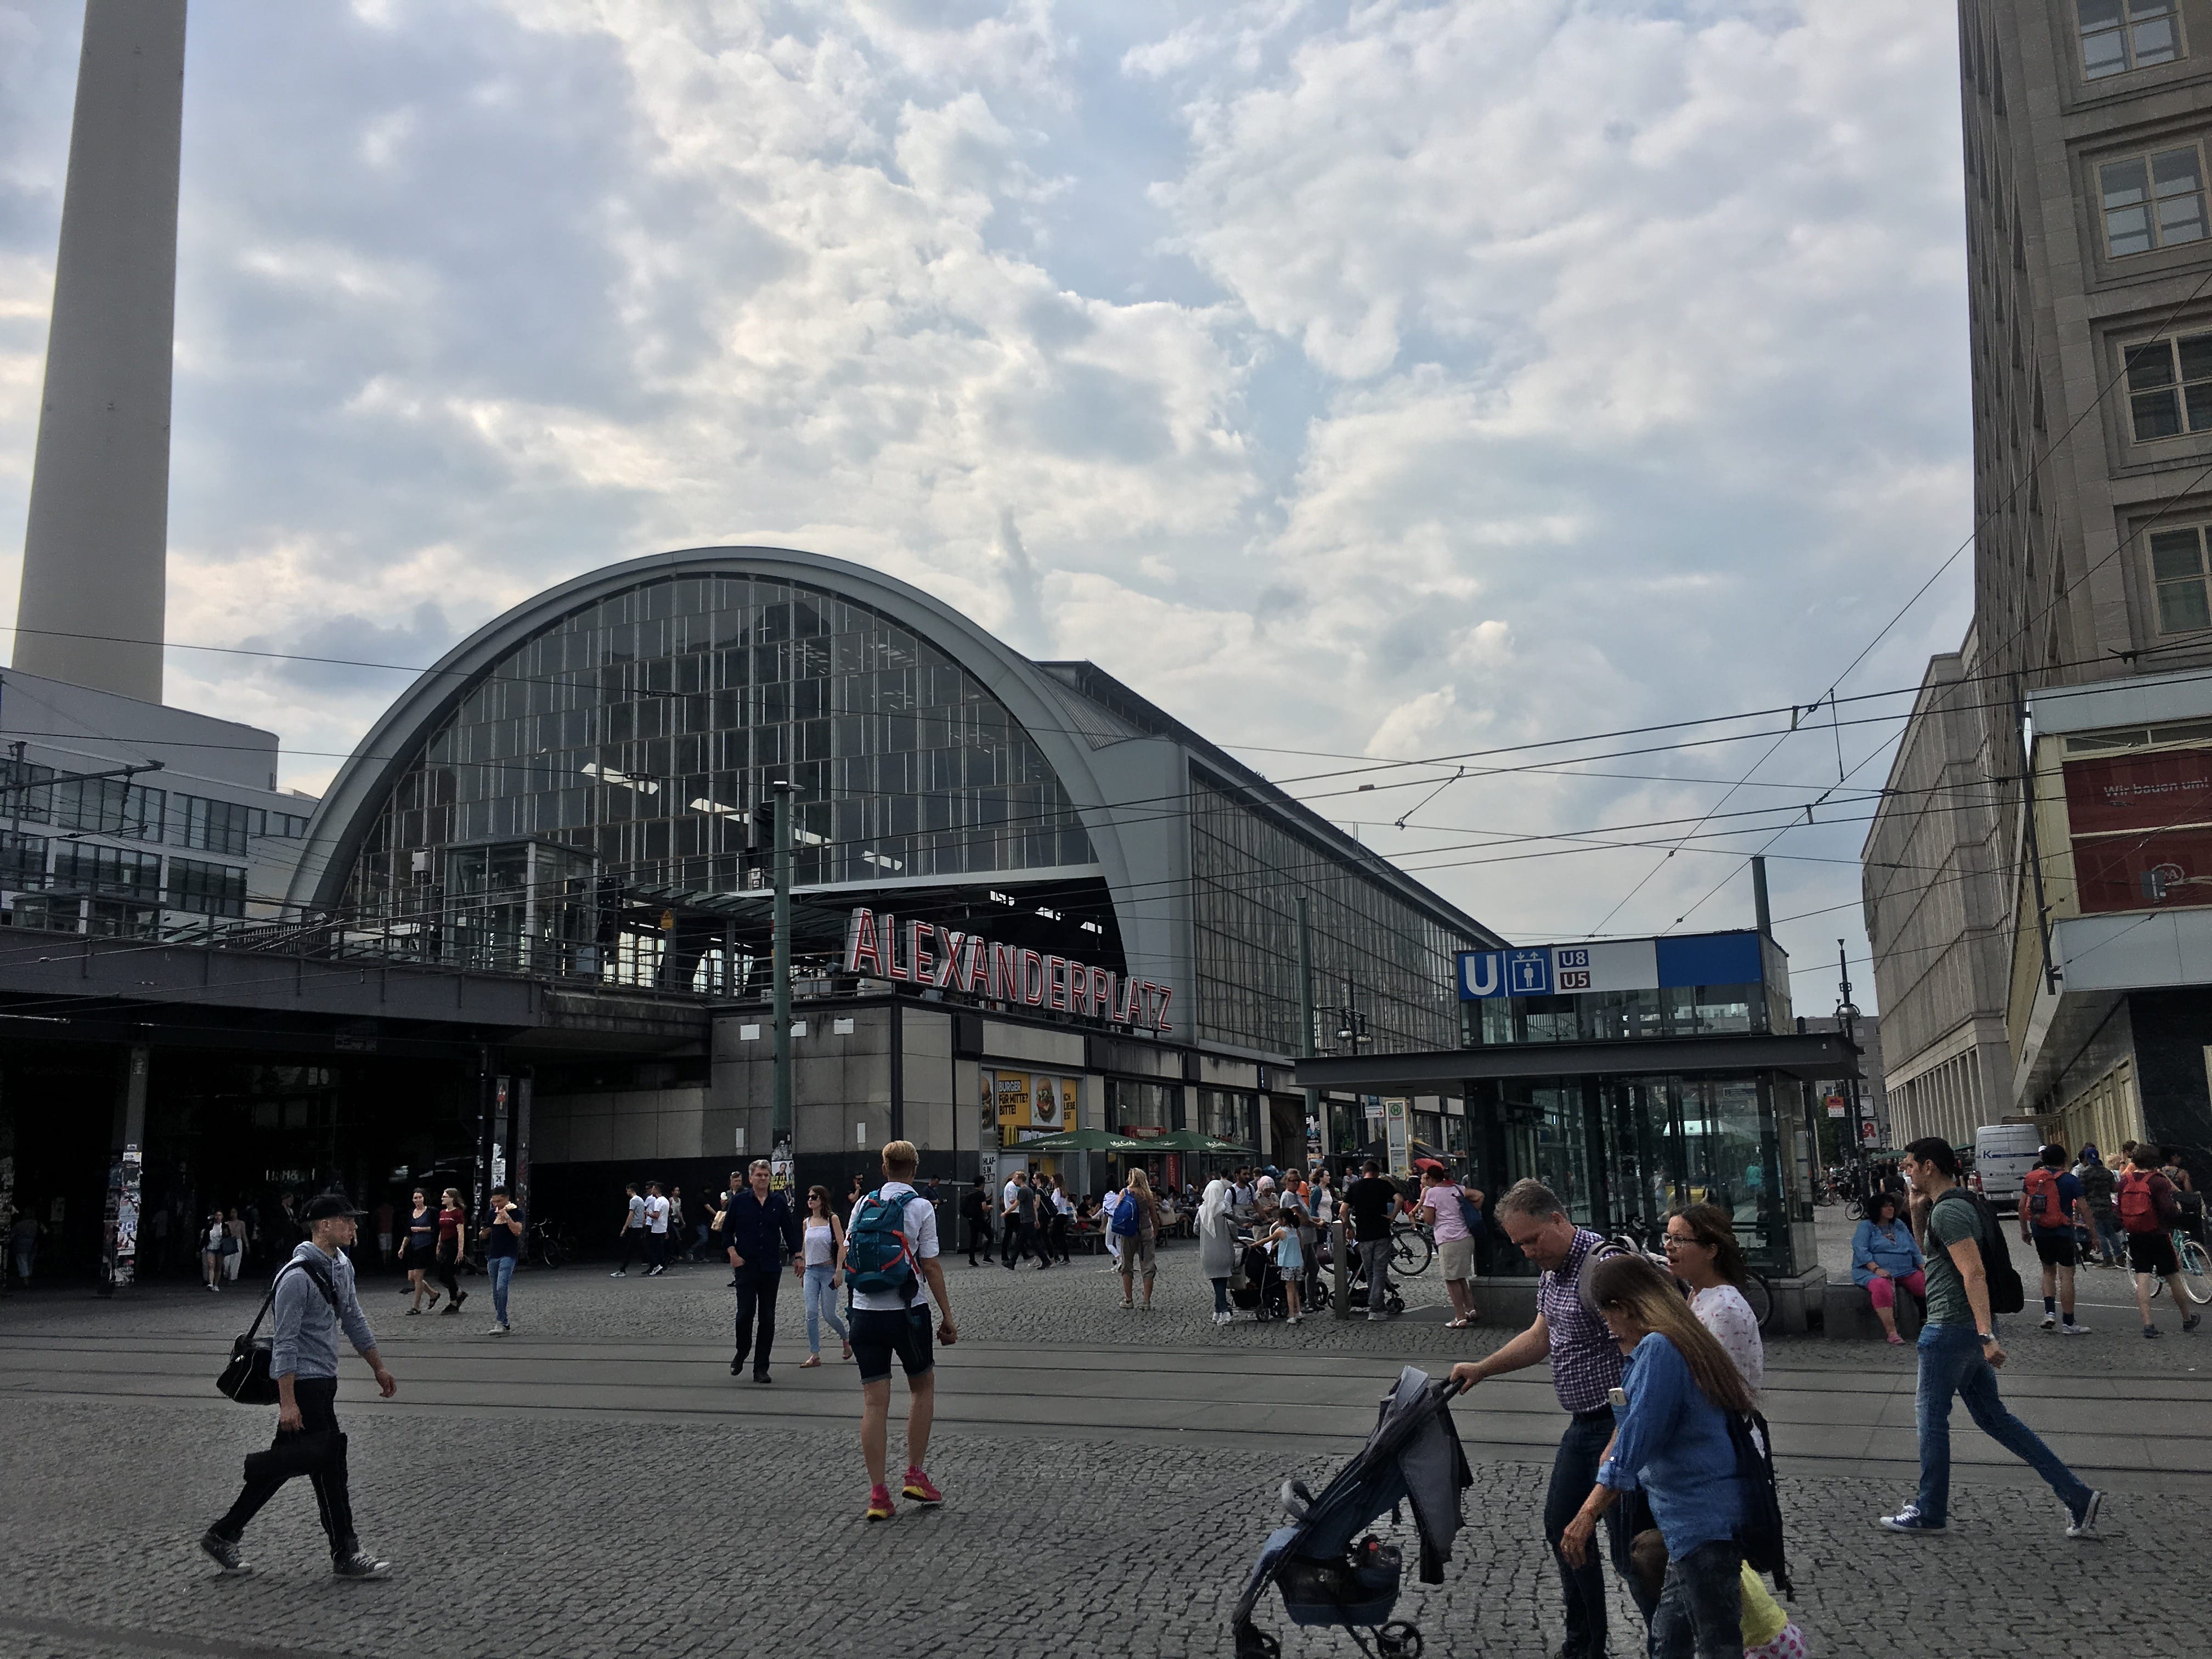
(880, 1507)
(920, 1490)
(1896, 1340)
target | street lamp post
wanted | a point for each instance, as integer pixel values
(1847, 1019)
(780, 1132)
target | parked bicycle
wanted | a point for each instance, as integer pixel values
(2196, 1266)
(549, 1244)
(1412, 1246)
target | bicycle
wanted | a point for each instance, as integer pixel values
(1411, 1248)
(549, 1244)
(2196, 1276)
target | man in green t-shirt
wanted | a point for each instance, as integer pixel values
(1959, 1353)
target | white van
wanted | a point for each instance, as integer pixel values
(2003, 1154)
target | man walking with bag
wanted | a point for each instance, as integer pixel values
(1586, 1366)
(312, 1298)
(891, 1254)
(1960, 1352)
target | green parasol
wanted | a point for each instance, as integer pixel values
(1190, 1141)
(1082, 1140)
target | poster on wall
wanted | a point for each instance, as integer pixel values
(1397, 1127)
(2142, 829)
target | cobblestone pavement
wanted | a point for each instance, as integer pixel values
(1078, 1304)
(541, 1536)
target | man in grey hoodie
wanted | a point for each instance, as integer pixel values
(313, 1299)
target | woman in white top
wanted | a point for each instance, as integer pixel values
(1702, 1251)
(211, 1243)
(817, 1266)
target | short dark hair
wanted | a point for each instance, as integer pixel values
(1877, 1199)
(1371, 1167)
(1711, 1225)
(2149, 1152)
(2053, 1156)
(1933, 1149)
(501, 1192)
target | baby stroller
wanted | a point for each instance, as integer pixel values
(1258, 1286)
(1392, 1299)
(1412, 1457)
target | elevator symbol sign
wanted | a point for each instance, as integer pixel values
(1528, 973)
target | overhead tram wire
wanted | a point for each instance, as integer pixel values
(2027, 477)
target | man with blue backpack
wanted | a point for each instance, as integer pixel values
(890, 1251)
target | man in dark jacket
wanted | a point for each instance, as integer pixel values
(757, 1228)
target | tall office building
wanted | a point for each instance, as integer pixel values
(2089, 668)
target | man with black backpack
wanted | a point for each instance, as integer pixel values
(890, 1251)
(1970, 1279)
(312, 1300)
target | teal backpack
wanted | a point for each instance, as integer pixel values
(878, 1255)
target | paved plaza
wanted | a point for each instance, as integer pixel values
(597, 1483)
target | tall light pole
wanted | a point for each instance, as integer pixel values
(1847, 1019)
(1306, 1015)
(779, 1133)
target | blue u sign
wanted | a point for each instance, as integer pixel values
(1482, 975)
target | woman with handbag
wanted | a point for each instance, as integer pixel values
(211, 1252)
(816, 1267)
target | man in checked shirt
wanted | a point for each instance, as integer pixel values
(1585, 1367)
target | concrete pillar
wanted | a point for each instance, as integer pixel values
(96, 552)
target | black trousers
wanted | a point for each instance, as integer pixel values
(446, 1259)
(1574, 1472)
(656, 1250)
(316, 1397)
(756, 1318)
(979, 1238)
(1059, 1236)
(629, 1241)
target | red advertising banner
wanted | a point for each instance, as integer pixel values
(2162, 871)
(2139, 792)
(2141, 828)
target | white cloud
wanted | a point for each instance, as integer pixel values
(1390, 378)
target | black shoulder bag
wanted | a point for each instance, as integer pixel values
(246, 1378)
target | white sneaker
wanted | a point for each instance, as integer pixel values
(2084, 1525)
(497, 1330)
(2071, 1329)
(2050, 1321)
(619, 1273)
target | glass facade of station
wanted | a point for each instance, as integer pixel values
(1249, 873)
(641, 732)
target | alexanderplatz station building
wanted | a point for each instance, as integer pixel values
(530, 917)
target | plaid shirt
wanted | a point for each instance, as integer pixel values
(1586, 1361)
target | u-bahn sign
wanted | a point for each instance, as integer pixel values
(1629, 964)
(927, 953)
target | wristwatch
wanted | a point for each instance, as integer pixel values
(1986, 1336)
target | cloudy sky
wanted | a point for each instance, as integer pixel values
(1383, 380)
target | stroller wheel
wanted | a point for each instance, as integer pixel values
(1253, 1643)
(1398, 1640)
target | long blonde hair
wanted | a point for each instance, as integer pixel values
(1634, 1286)
(1139, 1184)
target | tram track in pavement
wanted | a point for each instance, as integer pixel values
(2143, 1431)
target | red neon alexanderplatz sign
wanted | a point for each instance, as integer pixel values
(923, 953)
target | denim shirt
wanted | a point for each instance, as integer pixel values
(1894, 1251)
(1672, 1442)
(304, 1340)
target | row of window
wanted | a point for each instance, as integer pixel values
(193, 884)
(116, 807)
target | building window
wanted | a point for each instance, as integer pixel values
(22, 860)
(211, 889)
(2177, 568)
(108, 870)
(2119, 35)
(2170, 386)
(2152, 201)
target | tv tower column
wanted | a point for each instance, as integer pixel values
(96, 553)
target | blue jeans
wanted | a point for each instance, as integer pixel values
(1700, 1611)
(821, 1304)
(2113, 1242)
(1221, 1296)
(1951, 1362)
(502, 1269)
